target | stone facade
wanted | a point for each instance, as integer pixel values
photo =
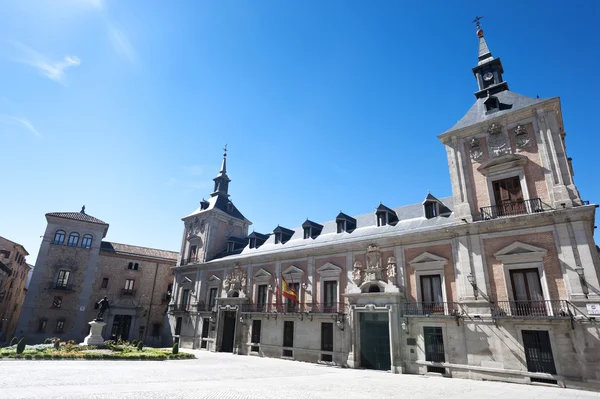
(13, 286)
(71, 276)
(498, 281)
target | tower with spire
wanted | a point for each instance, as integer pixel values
(211, 229)
(508, 149)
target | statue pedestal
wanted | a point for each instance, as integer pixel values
(95, 337)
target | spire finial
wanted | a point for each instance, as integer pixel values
(83, 209)
(225, 150)
(478, 25)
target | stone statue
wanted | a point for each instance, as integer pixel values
(103, 305)
(226, 283)
(391, 267)
(357, 273)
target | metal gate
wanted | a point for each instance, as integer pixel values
(205, 327)
(228, 332)
(375, 341)
(538, 352)
(434, 348)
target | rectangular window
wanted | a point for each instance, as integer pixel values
(255, 339)
(212, 298)
(63, 279)
(57, 302)
(185, 296)
(104, 283)
(330, 288)
(73, 240)
(230, 246)
(341, 226)
(178, 326)
(130, 266)
(129, 284)
(527, 293)
(431, 210)
(288, 334)
(59, 237)
(42, 325)
(5, 253)
(87, 241)
(60, 326)
(431, 289)
(291, 305)
(156, 329)
(261, 297)
(327, 337)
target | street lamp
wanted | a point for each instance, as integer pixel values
(471, 279)
(584, 286)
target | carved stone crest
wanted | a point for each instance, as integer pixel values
(373, 270)
(476, 151)
(236, 280)
(522, 139)
(194, 228)
(497, 142)
(357, 273)
(391, 267)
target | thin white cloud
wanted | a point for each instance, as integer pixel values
(120, 42)
(54, 70)
(21, 121)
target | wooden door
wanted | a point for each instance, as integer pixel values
(508, 196)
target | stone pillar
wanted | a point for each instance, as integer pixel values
(95, 336)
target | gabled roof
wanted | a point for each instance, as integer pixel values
(343, 216)
(442, 207)
(126, 249)
(283, 230)
(383, 208)
(260, 236)
(83, 217)
(509, 102)
(310, 223)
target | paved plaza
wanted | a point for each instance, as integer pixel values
(217, 375)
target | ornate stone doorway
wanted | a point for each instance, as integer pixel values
(374, 341)
(228, 333)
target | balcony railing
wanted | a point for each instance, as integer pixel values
(335, 307)
(507, 209)
(188, 262)
(431, 309)
(531, 309)
(179, 307)
(127, 292)
(60, 286)
(204, 307)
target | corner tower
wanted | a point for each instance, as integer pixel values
(507, 154)
(217, 221)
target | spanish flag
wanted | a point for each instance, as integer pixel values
(288, 292)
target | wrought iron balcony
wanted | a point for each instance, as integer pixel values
(127, 292)
(532, 309)
(427, 309)
(179, 307)
(507, 209)
(204, 307)
(190, 261)
(60, 286)
(334, 307)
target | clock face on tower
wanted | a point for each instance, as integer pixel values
(488, 76)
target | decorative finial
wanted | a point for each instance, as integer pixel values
(478, 26)
(225, 150)
(83, 209)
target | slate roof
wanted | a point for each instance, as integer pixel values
(411, 220)
(127, 249)
(509, 102)
(84, 217)
(219, 202)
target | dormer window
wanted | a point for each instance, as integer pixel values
(229, 207)
(386, 216)
(345, 223)
(255, 239)
(492, 104)
(230, 246)
(431, 210)
(311, 229)
(252, 242)
(204, 204)
(282, 235)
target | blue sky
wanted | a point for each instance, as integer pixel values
(124, 106)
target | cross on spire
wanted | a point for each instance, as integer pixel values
(225, 150)
(477, 23)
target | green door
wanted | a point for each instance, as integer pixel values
(375, 341)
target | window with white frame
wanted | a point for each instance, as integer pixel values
(329, 277)
(429, 272)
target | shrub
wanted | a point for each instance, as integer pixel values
(134, 342)
(140, 345)
(14, 341)
(48, 341)
(21, 345)
(175, 348)
(57, 344)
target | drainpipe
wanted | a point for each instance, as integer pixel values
(151, 298)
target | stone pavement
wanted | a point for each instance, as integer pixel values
(218, 375)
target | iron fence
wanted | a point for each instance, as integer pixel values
(513, 208)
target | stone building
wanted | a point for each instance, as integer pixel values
(13, 286)
(498, 281)
(75, 269)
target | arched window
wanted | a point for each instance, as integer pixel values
(86, 242)
(59, 237)
(73, 239)
(374, 288)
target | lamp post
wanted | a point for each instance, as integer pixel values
(471, 279)
(584, 286)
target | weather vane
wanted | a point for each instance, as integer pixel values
(225, 149)
(477, 23)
